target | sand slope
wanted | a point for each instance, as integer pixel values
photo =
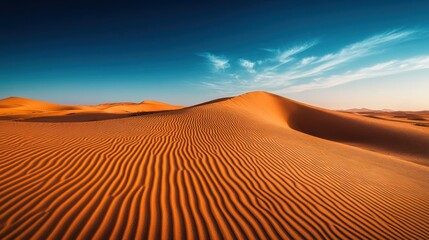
(256, 166)
(16, 108)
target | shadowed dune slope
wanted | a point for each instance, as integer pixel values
(242, 168)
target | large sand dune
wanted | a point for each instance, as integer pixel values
(256, 166)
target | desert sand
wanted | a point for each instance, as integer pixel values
(255, 166)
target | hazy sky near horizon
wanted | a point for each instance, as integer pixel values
(337, 55)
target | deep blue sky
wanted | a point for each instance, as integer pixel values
(88, 52)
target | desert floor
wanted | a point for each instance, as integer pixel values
(256, 166)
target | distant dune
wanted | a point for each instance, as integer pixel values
(417, 118)
(255, 166)
(360, 110)
(16, 108)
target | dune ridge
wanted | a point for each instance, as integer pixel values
(249, 167)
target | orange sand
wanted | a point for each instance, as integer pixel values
(257, 166)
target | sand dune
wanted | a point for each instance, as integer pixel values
(417, 118)
(256, 166)
(15, 108)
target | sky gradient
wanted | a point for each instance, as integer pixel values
(338, 55)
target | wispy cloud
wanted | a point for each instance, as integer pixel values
(377, 70)
(360, 49)
(247, 64)
(307, 60)
(314, 72)
(285, 56)
(218, 62)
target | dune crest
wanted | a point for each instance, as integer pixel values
(250, 167)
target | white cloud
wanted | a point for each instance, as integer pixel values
(284, 56)
(311, 72)
(218, 62)
(248, 65)
(347, 54)
(307, 60)
(360, 49)
(271, 50)
(377, 70)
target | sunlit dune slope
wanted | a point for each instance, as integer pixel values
(15, 108)
(256, 166)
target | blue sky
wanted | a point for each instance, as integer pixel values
(337, 55)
